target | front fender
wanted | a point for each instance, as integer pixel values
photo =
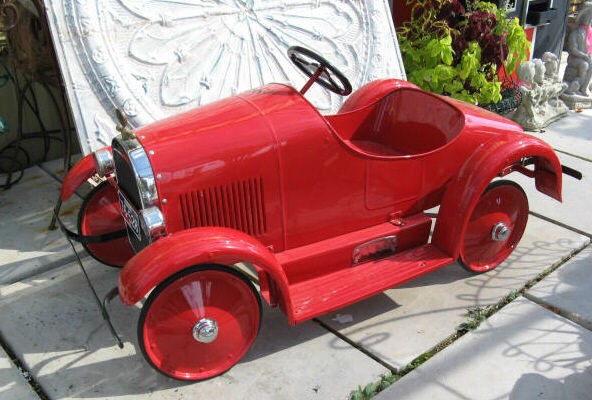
(478, 171)
(180, 250)
(77, 175)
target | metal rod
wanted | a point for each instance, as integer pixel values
(56, 211)
(101, 304)
(312, 79)
(108, 297)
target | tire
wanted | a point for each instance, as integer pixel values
(495, 226)
(169, 332)
(99, 214)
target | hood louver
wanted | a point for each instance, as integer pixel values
(238, 205)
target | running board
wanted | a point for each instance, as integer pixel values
(329, 256)
(328, 293)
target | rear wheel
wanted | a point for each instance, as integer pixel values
(199, 323)
(100, 214)
(495, 227)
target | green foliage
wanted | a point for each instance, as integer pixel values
(515, 36)
(443, 48)
(518, 44)
(372, 389)
(475, 316)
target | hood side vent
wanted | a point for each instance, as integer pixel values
(238, 205)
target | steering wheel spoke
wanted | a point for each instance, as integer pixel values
(328, 78)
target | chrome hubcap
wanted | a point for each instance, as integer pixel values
(206, 330)
(500, 232)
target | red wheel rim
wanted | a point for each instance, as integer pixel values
(176, 307)
(101, 214)
(504, 204)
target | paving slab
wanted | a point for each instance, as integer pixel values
(402, 323)
(13, 385)
(27, 247)
(56, 167)
(571, 134)
(568, 289)
(54, 328)
(574, 210)
(522, 352)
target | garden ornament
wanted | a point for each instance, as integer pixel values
(578, 72)
(540, 89)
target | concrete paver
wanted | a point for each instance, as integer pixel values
(401, 324)
(573, 211)
(55, 329)
(522, 352)
(27, 247)
(13, 385)
(56, 167)
(568, 289)
(571, 134)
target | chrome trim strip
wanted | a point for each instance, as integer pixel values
(140, 165)
(367, 250)
(144, 177)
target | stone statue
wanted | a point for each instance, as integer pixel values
(578, 72)
(553, 86)
(540, 88)
(551, 65)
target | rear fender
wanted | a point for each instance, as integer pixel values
(77, 175)
(208, 245)
(491, 160)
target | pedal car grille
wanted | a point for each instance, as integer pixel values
(126, 179)
(238, 205)
(136, 181)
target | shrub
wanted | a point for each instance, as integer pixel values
(456, 51)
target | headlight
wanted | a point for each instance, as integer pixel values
(104, 162)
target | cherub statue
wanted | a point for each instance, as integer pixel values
(551, 66)
(578, 72)
(552, 84)
(531, 92)
(540, 88)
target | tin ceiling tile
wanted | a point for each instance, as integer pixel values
(156, 58)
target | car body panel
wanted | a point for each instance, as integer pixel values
(263, 177)
(204, 157)
(269, 143)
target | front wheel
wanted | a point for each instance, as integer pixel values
(100, 214)
(199, 323)
(495, 226)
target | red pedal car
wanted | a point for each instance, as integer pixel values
(328, 210)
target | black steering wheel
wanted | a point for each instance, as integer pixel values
(319, 70)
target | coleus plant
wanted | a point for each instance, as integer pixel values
(454, 50)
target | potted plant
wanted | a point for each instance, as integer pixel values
(456, 50)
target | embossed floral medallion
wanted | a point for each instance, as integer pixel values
(155, 58)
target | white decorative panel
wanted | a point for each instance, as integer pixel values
(155, 58)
